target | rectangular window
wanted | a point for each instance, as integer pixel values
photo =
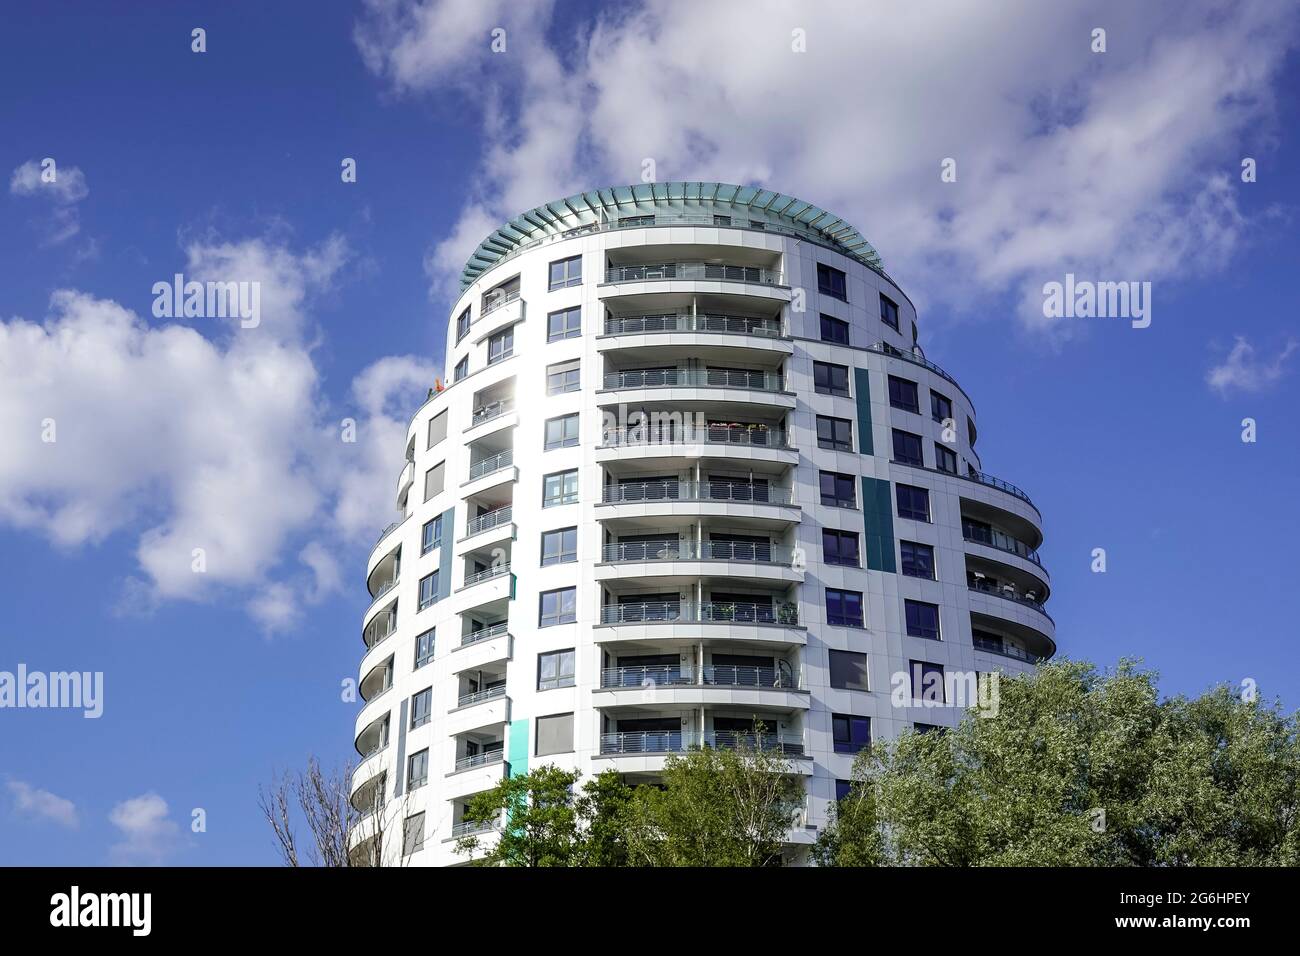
(927, 681)
(565, 324)
(922, 619)
(940, 407)
(559, 546)
(843, 608)
(428, 589)
(413, 833)
(431, 535)
(558, 607)
(433, 481)
(424, 648)
(562, 432)
(417, 767)
(835, 330)
(841, 547)
(851, 734)
(838, 490)
(889, 312)
(848, 670)
(918, 559)
(831, 282)
(563, 377)
(462, 325)
(842, 789)
(913, 502)
(560, 488)
(462, 369)
(555, 669)
(565, 273)
(555, 734)
(834, 433)
(945, 459)
(437, 428)
(830, 379)
(422, 709)
(721, 220)
(501, 346)
(907, 448)
(903, 394)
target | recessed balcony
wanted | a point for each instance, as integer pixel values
(404, 482)
(680, 741)
(657, 438)
(693, 271)
(1006, 583)
(489, 471)
(378, 680)
(724, 389)
(380, 626)
(384, 575)
(374, 737)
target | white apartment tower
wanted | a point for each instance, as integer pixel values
(691, 472)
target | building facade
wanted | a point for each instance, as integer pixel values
(691, 481)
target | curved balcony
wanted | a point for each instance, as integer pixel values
(672, 439)
(1004, 649)
(693, 270)
(380, 626)
(676, 742)
(368, 796)
(382, 536)
(378, 680)
(1000, 629)
(722, 332)
(755, 380)
(688, 559)
(726, 391)
(884, 348)
(1008, 592)
(374, 737)
(768, 689)
(741, 492)
(781, 614)
(999, 540)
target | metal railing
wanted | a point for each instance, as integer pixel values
(671, 490)
(1006, 650)
(676, 741)
(486, 574)
(493, 302)
(678, 434)
(755, 380)
(488, 465)
(1000, 540)
(1008, 593)
(490, 411)
(687, 675)
(481, 759)
(368, 634)
(655, 612)
(468, 828)
(752, 552)
(764, 326)
(384, 589)
(484, 633)
(486, 522)
(467, 700)
(389, 528)
(692, 270)
(986, 479)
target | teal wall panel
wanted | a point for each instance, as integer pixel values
(878, 516)
(517, 752)
(862, 392)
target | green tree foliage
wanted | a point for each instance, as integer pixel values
(717, 807)
(1080, 768)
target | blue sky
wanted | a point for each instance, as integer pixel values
(1123, 165)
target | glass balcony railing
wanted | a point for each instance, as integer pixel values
(692, 270)
(743, 551)
(1006, 650)
(493, 302)
(734, 612)
(487, 574)
(676, 741)
(468, 828)
(485, 413)
(753, 436)
(484, 634)
(479, 697)
(486, 522)
(686, 675)
(1009, 593)
(487, 466)
(481, 759)
(671, 490)
(993, 538)
(758, 381)
(764, 326)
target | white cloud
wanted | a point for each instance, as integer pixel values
(1108, 165)
(43, 805)
(148, 836)
(1245, 371)
(66, 189)
(202, 436)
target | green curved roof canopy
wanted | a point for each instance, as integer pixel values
(676, 203)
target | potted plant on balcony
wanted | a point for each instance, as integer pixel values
(787, 613)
